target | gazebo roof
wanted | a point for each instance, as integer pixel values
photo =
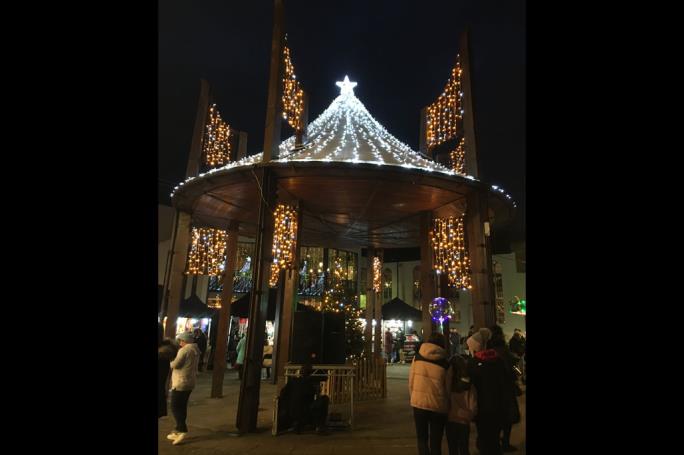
(347, 133)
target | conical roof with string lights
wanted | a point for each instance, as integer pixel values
(347, 132)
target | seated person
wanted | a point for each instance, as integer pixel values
(268, 358)
(301, 405)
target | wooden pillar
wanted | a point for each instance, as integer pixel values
(479, 249)
(248, 403)
(378, 301)
(195, 157)
(242, 145)
(224, 312)
(422, 140)
(179, 256)
(370, 301)
(471, 163)
(427, 277)
(284, 316)
(275, 86)
(445, 291)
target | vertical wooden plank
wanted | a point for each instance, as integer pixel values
(195, 157)
(275, 86)
(224, 312)
(482, 294)
(242, 146)
(422, 141)
(427, 283)
(471, 163)
(179, 256)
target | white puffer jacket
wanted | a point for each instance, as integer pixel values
(184, 368)
(430, 379)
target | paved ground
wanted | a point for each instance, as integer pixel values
(381, 426)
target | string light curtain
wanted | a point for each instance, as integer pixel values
(217, 146)
(377, 274)
(207, 252)
(293, 95)
(214, 302)
(458, 157)
(449, 251)
(284, 241)
(446, 113)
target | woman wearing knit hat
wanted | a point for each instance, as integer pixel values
(429, 387)
(183, 377)
(488, 375)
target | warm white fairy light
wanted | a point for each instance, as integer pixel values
(284, 241)
(207, 251)
(377, 274)
(449, 252)
(216, 147)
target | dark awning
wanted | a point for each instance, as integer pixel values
(398, 309)
(240, 307)
(193, 307)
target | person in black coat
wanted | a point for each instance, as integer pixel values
(201, 340)
(498, 343)
(166, 352)
(488, 375)
(302, 404)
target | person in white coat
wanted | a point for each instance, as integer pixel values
(429, 389)
(183, 379)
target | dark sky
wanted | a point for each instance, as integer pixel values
(399, 52)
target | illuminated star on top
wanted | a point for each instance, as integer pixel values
(346, 87)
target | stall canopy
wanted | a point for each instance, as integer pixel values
(193, 307)
(240, 307)
(400, 310)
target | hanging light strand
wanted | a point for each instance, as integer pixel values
(216, 148)
(207, 252)
(458, 157)
(377, 274)
(449, 251)
(293, 95)
(446, 113)
(284, 241)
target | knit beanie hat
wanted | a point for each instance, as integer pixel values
(188, 337)
(478, 340)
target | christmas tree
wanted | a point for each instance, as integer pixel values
(338, 300)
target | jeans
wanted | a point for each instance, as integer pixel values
(429, 425)
(488, 437)
(458, 437)
(179, 408)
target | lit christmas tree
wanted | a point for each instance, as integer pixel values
(338, 300)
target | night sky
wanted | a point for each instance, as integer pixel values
(399, 52)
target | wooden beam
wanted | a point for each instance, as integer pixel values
(193, 167)
(370, 300)
(422, 140)
(224, 313)
(479, 250)
(275, 86)
(248, 402)
(471, 163)
(242, 146)
(179, 256)
(427, 280)
(377, 305)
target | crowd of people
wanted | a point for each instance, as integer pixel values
(448, 391)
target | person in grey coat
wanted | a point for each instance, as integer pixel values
(183, 379)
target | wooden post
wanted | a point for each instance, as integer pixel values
(427, 280)
(444, 291)
(378, 309)
(284, 312)
(370, 301)
(195, 157)
(248, 403)
(484, 308)
(224, 312)
(275, 86)
(422, 140)
(242, 146)
(300, 135)
(471, 163)
(179, 256)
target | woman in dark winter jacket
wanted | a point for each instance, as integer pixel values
(166, 352)
(488, 374)
(498, 343)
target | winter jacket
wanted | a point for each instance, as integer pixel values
(241, 351)
(184, 368)
(430, 379)
(517, 345)
(491, 380)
